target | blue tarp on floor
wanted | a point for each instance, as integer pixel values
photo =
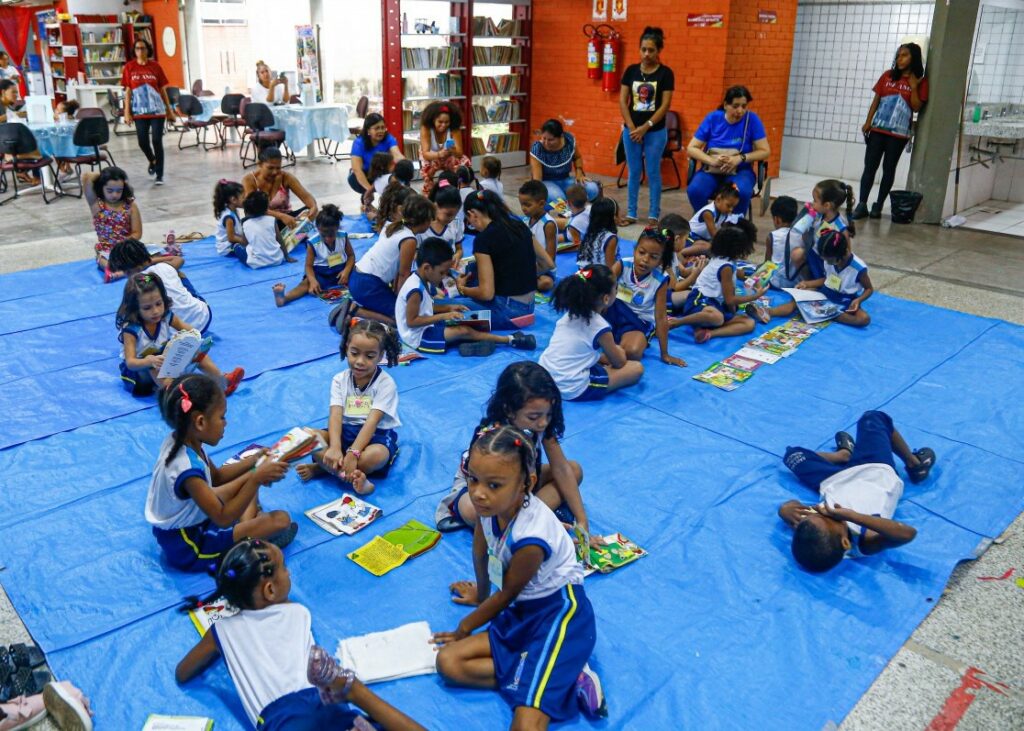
(715, 629)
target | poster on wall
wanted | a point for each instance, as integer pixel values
(307, 61)
(619, 8)
(705, 20)
(600, 10)
(767, 16)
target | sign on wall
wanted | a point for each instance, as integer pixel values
(705, 20)
(307, 58)
(767, 16)
(619, 9)
(600, 10)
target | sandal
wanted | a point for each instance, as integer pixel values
(24, 682)
(926, 457)
(627, 220)
(758, 312)
(844, 441)
(26, 656)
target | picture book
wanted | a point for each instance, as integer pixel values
(403, 652)
(770, 346)
(819, 310)
(559, 207)
(616, 552)
(245, 453)
(762, 276)
(331, 296)
(302, 232)
(344, 516)
(407, 356)
(379, 556)
(724, 377)
(786, 335)
(476, 319)
(156, 722)
(413, 537)
(743, 363)
(297, 443)
(204, 616)
(179, 352)
(761, 356)
(361, 235)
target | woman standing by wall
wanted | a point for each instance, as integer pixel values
(146, 104)
(644, 100)
(899, 93)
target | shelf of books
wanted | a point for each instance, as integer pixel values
(477, 62)
(103, 52)
(62, 46)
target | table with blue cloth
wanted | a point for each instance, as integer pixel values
(304, 125)
(57, 139)
(211, 106)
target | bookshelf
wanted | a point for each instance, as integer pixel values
(62, 47)
(102, 52)
(478, 63)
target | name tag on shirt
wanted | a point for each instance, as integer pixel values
(833, 282)
(495, 571)
(358, 405)
(624, 293)
(334, 260)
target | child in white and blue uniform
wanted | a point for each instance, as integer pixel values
(708, 220)
(841, 276)
(227, 197)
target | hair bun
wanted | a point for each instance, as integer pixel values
(653, 30)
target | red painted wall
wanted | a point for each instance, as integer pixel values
(705, 62)
(165, 13)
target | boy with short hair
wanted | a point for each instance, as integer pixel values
(490, 175)
(533, 197)
(785, 246)
(424, 329)
(579, 215)
(859, 488)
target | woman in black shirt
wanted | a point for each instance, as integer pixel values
(507, 261)
(644, 99)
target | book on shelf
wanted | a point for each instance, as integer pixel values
(723, 376)
(445, 85)
(412, 148)
(496, 85)
(497, 55)
(408, 119)
(503, 142)
(478, 147)
(344, 516)
(432, 58)
(503, 111)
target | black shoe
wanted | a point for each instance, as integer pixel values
(159, 181)
(522, 341)
(926, 459)
(27, 656)
(876, 211)
(479, 349)
(24, 682)
(861, 211)
(844, 441)
(339, 317)
(151, 169)
(285, 537)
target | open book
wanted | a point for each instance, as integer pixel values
(723, 376)
(204, 616)
(391, 550)
(344, 516)
(814, 306)
(403, 652)
(302, 232)
(476, 319)
(297, 443)
(762, 276)
(616, 552)
(179, 352)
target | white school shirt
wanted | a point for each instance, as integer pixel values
(816, 222)
(412, 336)
(594, 251)
(537, 229)
(492, 184)
(536, 525)
(871, 489)
(168, 505)
(378, 188)
(381, 260)
(382, 392)
(465, 193)
(845, 280)
(186, 305)
(579, 221)
(708, 282)
(322, 253)
(780, 237)
(223, 245)
(699, 229)
(640, 296)
(263, 249)
(266, 651)
(573, 349)
(144, 343)
(453, 232)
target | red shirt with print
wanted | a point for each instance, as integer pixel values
(888, 120)
(136, 76)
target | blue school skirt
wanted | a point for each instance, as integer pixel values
(372, 293)
(387, 437)
(303, 711)
(539, 648)
(196, 548)
(696, 302)
(327, 277)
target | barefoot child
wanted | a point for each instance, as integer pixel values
(859, 491)
(360, 436)
(425, 326)
(284, 681)
(329, 260)
(522, 548)
(198, 510)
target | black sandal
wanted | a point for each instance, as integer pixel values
(28, 656)
(845, 441)
(926, 458)
(24, 682)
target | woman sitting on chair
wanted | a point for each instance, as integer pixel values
(727, 141)
(269, 90)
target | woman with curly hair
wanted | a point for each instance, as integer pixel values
(440, 141)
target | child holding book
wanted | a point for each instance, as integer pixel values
(826, 211)
(859, 491)
(583, 337)
(227, 199)
(131, 257)
(706, 221)
(259, 229)
(533, 197)
(198, 510)
(284, 681)
(430, 328)
(785, 247)
(447, 224)
(329, 259)
(527, 398)
(360, 436)
(146, 323)
(840, 275)
(600, 243)
(521, 547)
(490, 175)
(685, 269)
(579, 215)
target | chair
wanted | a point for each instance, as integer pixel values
(89, 132)
(173, 96)
(295, 99)
(116, 102)
(673, 145)
(259, 119)
(191, 107)
(198, 90)
(355, 125)
(231, 111)
(762, 188)
(17, 139)
(86, 112)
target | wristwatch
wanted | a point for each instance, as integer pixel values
(743, 156)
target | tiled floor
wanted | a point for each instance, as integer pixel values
(800, 185)
(1003, 217)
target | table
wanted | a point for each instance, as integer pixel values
(304, 125)
(211, 106)
(57, 139)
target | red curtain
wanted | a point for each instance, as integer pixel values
(14, 27)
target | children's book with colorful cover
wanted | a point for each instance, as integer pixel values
(761, 356)
(762, 276)
(616, 552)
(179, 352)
(331, 296)
(204, 616)
(724, 377)
(157, 722)
(743, 363)
(344, 516)
(815, 311)
(302, 232)
(297, 443)
(475, 319)
(379, 556)
(244, 453)
(413, 537)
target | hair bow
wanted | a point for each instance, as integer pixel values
(585, 274)
(186, 401)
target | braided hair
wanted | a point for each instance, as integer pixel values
(187, 396)
(505, 439)
(239, 573)
(387, 336)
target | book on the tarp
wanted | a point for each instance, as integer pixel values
(475, 319)
(413, 537)
(332, 295)
(616, 552)
(179, 353)
(565, 245)
(724, 377)
(779, 341)
(762, 276)
(814, 307)
(297, 443)
(743, 363)
(761, 356)
(204, 616)
(407, 356)
(302, 232)
(345, 515)
(158, 722)
(403, 652)
(798, 326)
(379, 556)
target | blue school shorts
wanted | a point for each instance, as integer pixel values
(539, 648)
(327, 277)
(387, 437)
(597, 389)
(239, 252)
(838, 297)
(372, 293)
(695, 302)
(196, 548)
(303, 711)
(874, 446)
(433, 339)
(623, 320)
(137, 383)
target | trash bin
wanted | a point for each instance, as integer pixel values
(903, 204)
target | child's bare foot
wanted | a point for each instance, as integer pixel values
(308, 470)
(360, 483)
(279, 294)
(701, 335)
(759, 312)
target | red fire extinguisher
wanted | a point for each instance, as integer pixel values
(610, 60)
(595, 49)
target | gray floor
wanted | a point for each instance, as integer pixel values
(975, 624)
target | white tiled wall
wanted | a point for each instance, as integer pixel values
(997, 71)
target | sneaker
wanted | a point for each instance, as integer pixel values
(232, 379)
(67, 706)
(589, 694)
(861, 211)
(876, 211)
(926, 457)
(158, 181)
(22, 712)
(479, 349)
(446, 515)
(151, 169)
(285, 537)
(522, 341)
(845, 441)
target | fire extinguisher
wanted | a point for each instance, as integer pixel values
(610, 60)
(595, 49)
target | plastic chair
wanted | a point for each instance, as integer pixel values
(173, 96)
(231, 111)
(17, 139)
(116, 102)
(86, 112)
(191, 107)
(259, 119)
(672, 146)
(198, 90)
(91, 132)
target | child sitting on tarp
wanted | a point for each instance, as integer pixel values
(859, 488)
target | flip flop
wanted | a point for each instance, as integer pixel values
(845, 441)
(758, 312)
(627, 220)
(926, 455)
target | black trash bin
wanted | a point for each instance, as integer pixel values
(903, 204)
